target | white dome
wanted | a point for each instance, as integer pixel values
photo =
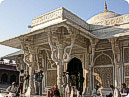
(102, 16)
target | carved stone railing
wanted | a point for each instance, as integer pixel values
(47, 17)
(60, 13)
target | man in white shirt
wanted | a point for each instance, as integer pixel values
(13, 90)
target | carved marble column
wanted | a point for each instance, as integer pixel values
(32, 51)
(116, 53)
(60, 52)
(92, 51)
(30, 59)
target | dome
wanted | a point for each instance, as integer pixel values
(102, 16)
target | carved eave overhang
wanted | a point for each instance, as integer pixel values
(43, 23)
(12, 42)
(14, 55)
(15, 42)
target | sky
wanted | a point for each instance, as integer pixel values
(16, 15)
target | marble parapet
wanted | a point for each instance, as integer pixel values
(116, 21)
(60, 13)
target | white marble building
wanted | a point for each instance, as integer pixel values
(98, 47)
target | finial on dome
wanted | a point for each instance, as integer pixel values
(105, 7)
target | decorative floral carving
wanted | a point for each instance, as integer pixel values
(109, 52)
(126, 55)
(127, 82)
(116, 20)
(103, 44)
(126, 69)
(51, 77)
(103, 60)
(106, 75)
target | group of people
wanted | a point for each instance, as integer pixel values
(123, 92)
(54, 92)
(38, 77)
(22, 88)
(72, 86)
(115, 92)
(15, 90)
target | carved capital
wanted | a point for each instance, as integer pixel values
(115, 49)
(60, 50)
(28, 49)
(93, 44)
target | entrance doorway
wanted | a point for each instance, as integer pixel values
(12, 79)
(75, 71)
(4, 78)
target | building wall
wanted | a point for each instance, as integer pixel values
(126, 65)
(9, 74)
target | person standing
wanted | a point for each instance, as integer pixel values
(24, 84)
(67, 91)
(96, 92)
(64, 83)
(124, 90)
(36, 83)
(27, 79)
(80, 83)
(115, 92)
(39, 80)
(73, 92)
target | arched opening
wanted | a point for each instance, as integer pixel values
(103, 71)
(4, 78)
(12, 79)
(75, 71)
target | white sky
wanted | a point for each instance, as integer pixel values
(127, 1)
(1, 1)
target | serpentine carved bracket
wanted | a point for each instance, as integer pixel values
(59, 51)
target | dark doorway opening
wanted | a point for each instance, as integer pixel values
(4, 78)
(12, 79)
(75, 71)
